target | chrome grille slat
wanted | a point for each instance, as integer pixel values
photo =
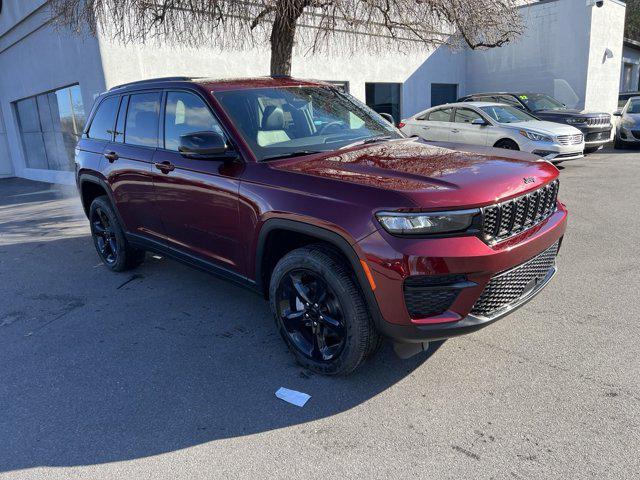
(506, 219)
(570, 139)
(508, 287)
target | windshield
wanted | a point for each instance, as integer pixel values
(634, 106)
(506, 114)
(540, 101)
(280, 122)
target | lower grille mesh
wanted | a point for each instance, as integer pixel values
(508, 287)
(426, 296)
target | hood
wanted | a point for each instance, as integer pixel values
(432, 176)
(634, 117)
(570, 112)
(548, 128)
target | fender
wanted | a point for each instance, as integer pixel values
(329, 236)
(93, 178)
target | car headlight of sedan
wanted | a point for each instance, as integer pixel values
(538, 137)
(627, 122)
(425, 223)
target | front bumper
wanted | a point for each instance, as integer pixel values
(629, 135)
(595, 137)
(553, 152)
(393, 259)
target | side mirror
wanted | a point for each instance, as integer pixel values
(617, 113)
(388, 118)
(203, 145)
(480, 121)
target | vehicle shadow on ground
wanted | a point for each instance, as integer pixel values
(100, 367)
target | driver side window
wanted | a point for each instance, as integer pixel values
(186, 113)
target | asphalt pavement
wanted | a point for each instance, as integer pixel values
(168, 372)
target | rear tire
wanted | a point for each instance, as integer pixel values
(320, 311)
(108, 238)
(507, 144)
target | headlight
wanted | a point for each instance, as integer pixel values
(401, 223)
(576, 121)
(538, 137)
(627, 122)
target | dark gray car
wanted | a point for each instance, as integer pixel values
(628, 129)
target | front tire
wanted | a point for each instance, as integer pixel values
(507, 144)
(320, 312)
(109, 240)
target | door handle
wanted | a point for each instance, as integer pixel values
(165, 167)
(455, 131)
(111, 156)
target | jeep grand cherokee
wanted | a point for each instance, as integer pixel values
(352, 231)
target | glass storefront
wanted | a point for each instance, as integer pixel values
(50, 126)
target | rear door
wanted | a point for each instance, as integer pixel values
(129, 162)
(463, 130)
(198, 198)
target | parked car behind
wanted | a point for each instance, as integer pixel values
(628, 129)
(305, 195)
(497, 125)
(595, 126)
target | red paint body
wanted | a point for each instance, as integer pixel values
(213, 211)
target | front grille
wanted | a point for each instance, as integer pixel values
(508, 287)
(597, 121)
(426, 296)
(506, 219)
(570, 139)
(596, 136)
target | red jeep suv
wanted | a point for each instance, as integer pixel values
(302, 193)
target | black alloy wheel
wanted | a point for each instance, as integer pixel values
(104, 236)
(311, 315)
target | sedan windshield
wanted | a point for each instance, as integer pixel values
(290, 121)
(634, 106)
(507, 114)
(540, 101)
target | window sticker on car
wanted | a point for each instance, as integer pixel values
(522, 97)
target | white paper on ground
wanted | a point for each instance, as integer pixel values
(292, 396)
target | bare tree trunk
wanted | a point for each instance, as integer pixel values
(283, 35)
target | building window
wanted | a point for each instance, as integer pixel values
(384, 98)
(442, 93)
(50, 126)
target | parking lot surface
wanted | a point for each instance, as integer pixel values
(167, 372)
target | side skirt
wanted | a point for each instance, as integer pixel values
(191, 260)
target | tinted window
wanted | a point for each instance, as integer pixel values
(539, 101)
(142, 120)
(102, 124)
(464, 115)
(509, 100)
(186, 113)
(442, 115)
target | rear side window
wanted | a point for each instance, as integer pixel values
(142, 120)
(102, 124)
(186, 113)
(443, 115)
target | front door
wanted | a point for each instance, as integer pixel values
(464, 131)
(197, 199)
(436, 126)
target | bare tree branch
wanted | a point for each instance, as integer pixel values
(315, 25)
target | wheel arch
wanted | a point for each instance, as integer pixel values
(275, 228)
(506, 139)
(90, 187)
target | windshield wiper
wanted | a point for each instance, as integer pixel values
(297, 153)
(379, 138)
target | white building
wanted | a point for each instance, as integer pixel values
(571, 49)
(630, 74)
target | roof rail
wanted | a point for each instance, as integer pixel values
(153, 80)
